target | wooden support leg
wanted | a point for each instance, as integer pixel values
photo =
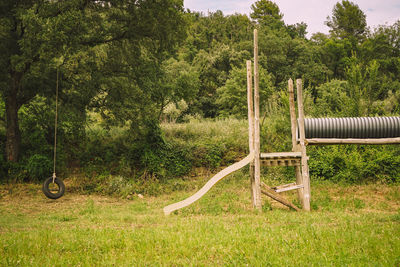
(250, 107)
(295, 146)
(306, 183)
(299, 180)
(304, 158)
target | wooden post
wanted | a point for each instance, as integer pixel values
(257, 163)
(250, 109)
(304, 158)
(292, 108)
(295, 146)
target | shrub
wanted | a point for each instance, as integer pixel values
(39, 167)
(355, 164)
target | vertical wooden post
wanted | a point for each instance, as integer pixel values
(295, 146)
(257, 166)
(292, 109)
(250, 110)
(304, 158)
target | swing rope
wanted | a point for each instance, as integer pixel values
(55, 132)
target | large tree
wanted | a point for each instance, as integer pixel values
(267, 13)
(347, 20)
(37, 37)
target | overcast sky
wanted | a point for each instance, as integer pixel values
(312, 12)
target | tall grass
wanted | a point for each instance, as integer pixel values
(233, 133)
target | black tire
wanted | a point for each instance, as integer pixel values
(48, 193)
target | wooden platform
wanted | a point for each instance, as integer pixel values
(281, 159)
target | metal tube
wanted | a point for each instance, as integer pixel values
(356, 127)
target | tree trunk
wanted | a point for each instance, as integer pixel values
(13, 135)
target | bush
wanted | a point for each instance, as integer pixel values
(39, 167)
(355, 164)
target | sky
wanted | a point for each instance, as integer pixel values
(312, 12)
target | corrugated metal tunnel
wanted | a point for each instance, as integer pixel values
(357, 128)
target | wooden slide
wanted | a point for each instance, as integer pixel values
(234, 167)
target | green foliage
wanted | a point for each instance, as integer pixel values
(133, 65)
(334, 53)
(175, 111)
(347, 21)
(355, 164)
(360, 95)
(39, 167)
(267, 13)
(209, 156)
(104, 53)
(232, 97)
(214, 67)
(147, 157)
(333, 99)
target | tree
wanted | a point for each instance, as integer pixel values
(37, 37)
(348, 20)
(180, 84)
(232, 97)
(297, 30)
(267, 13)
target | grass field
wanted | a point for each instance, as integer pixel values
(349, 225)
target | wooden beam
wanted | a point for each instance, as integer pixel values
(297, 186)
(293, 121)
(280, 155)
(304, 159)
(271, 193)
(257, 165)
(282, 186)
(335, 141)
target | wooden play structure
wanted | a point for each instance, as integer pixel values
(310, 131)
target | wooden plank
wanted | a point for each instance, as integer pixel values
(257, 165)
(304, 164)
(271, 193)
(297, 186)
(335, 141)
(250, 111)
(280, 155)
(282, 186)
(216, 178)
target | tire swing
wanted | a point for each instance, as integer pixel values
(53, 187)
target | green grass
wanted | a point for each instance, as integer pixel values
(349, 225)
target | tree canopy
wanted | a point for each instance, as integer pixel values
(105, 51)
(347, 21)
